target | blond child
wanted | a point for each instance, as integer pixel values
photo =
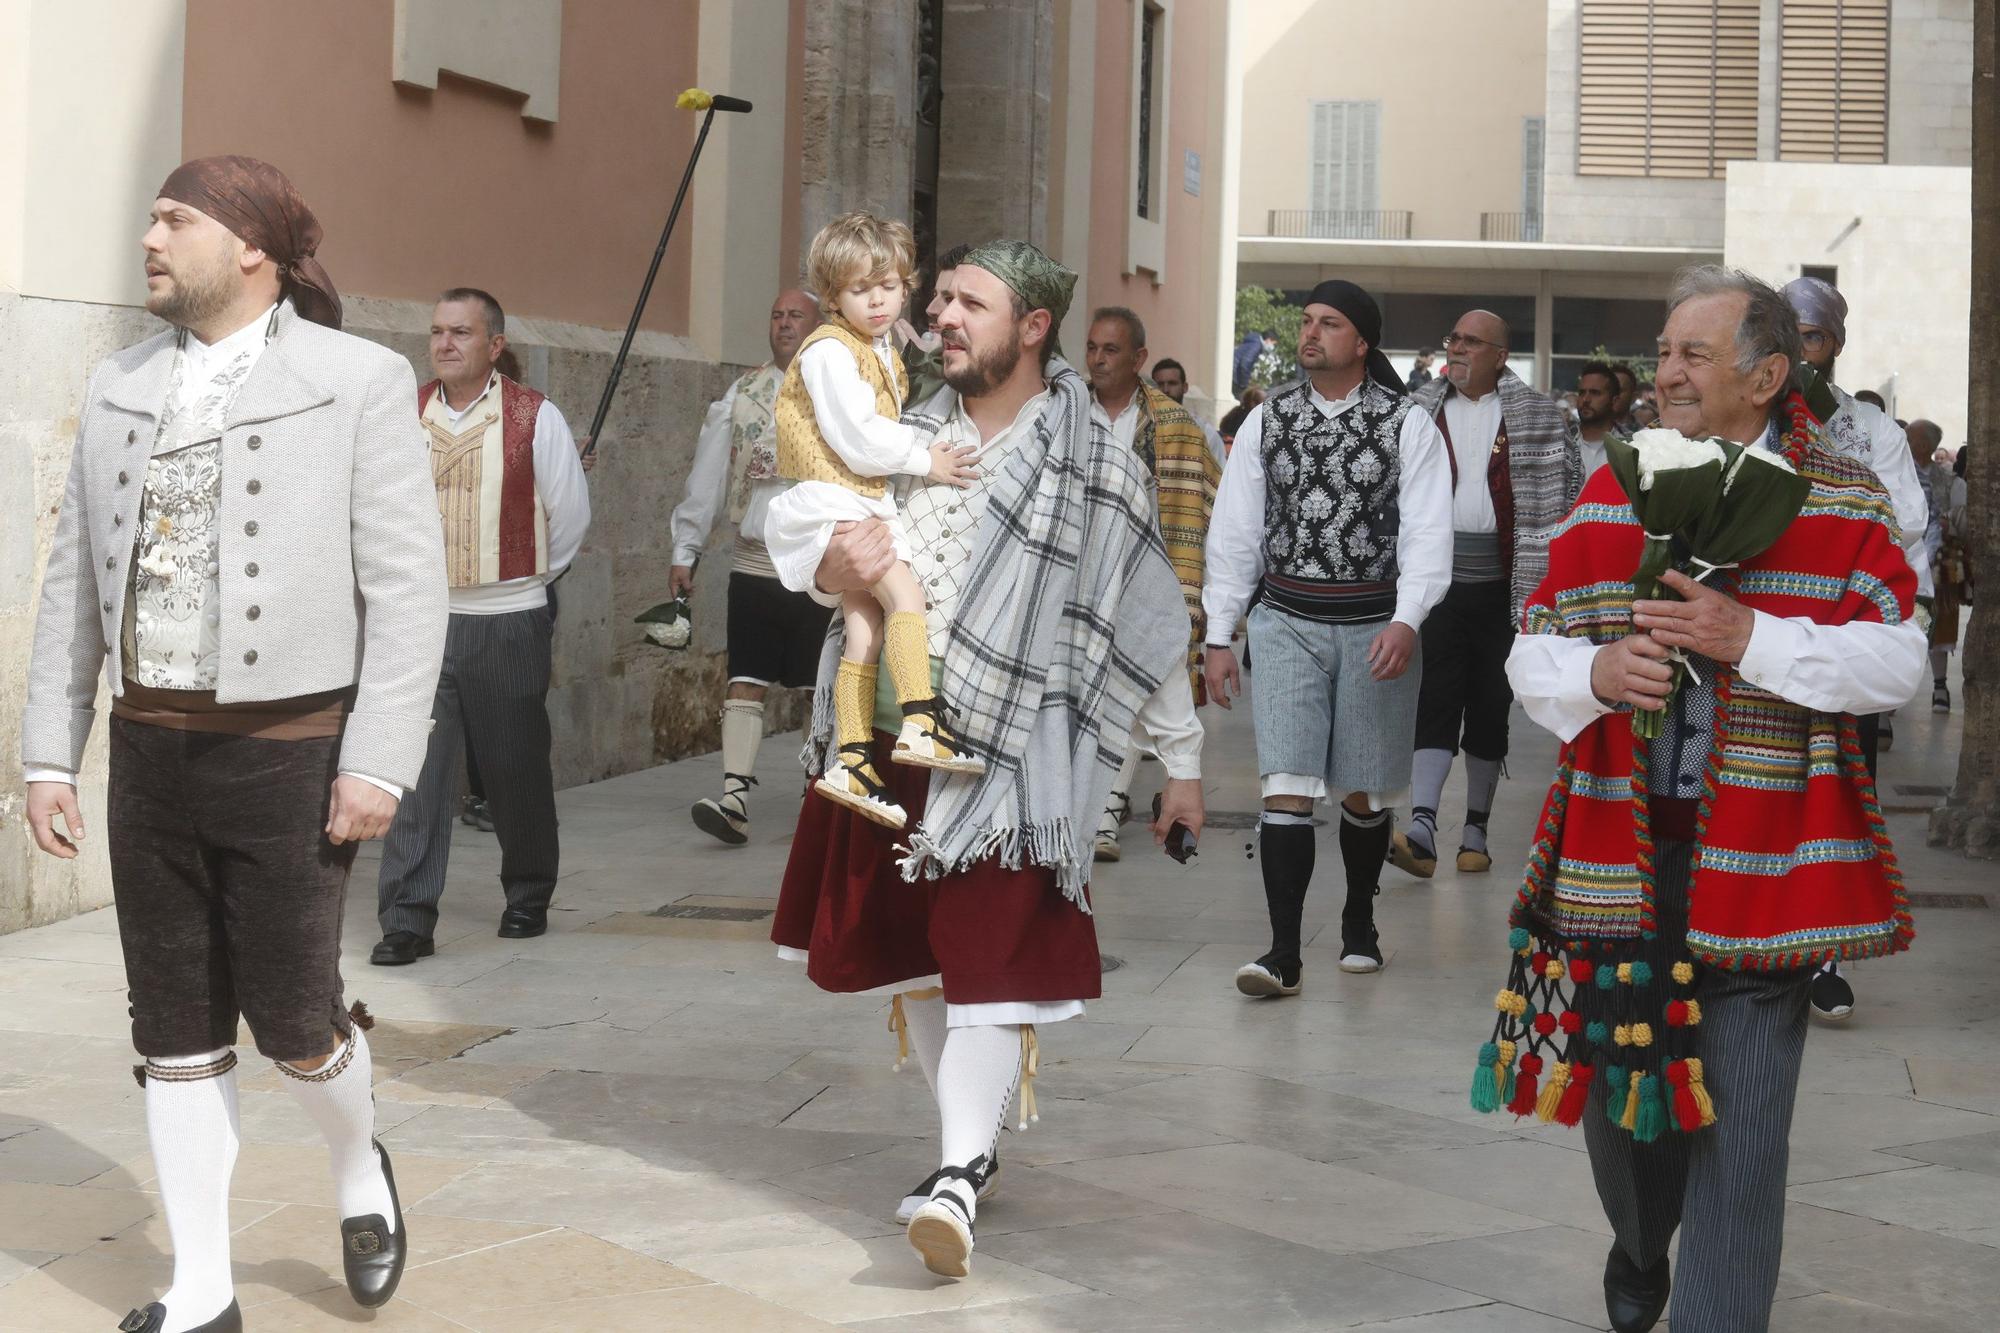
(841, 443)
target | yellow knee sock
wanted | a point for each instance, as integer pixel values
(906, 652)
(854, 703)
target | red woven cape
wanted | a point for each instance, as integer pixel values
(1792, 864)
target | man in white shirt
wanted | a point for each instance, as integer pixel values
(1515, 474)
(1338, 497)
(993, 936)
(1864, 432)
(1183, 472)
(1758, 855)
(774, 634)
(247, 555)
(515, 509)
(1596, 392)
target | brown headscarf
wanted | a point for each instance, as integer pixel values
(258, 203)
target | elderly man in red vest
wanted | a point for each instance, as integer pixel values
(1691, 935)
(515, 509)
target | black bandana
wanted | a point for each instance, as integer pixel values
(1366, 317)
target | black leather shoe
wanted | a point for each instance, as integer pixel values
(1634, 1297)
(154, 1318)
(372, 1256)
(400, 948)
(524, 923)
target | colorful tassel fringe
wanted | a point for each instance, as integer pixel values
(1485, 1082)
(1551, 1097)
(1576, 1096)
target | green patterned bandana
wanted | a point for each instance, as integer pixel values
(1040, 281)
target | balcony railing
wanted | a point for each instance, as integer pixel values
(1342, 224)
(1510, 227)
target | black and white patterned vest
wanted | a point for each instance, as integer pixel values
(1330, 504)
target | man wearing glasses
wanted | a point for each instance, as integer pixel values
(1515, 472)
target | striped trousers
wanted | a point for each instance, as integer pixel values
(492, 695)
(1724, 1187)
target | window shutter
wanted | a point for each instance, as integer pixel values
(1346, 156)
(1533, 131)
(1833, 80)
(1666, 87)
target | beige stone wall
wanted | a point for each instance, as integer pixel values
(994, 143)
(617, 703)
(1930, 83)
(1455, 85)
(90, 112)
(858, 111)
(1905, 269)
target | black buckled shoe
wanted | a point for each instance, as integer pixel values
(524, 923)
(399, 948)
(1634, 1297)
(154, 1318)
(371, 1255)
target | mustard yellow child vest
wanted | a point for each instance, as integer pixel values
(803, 453)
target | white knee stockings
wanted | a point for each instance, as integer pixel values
(192, 1125)
(340, 1098)
(975, 1085)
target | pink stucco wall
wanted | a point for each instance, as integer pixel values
(420, 190)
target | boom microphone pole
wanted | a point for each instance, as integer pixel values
(694, 99)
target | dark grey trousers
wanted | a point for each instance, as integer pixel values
(492, 695)
(1724, 1186)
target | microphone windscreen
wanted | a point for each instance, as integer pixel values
(722, 102)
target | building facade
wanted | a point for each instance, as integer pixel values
(531, 147)
(1557, 160)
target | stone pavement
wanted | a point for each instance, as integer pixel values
(646, 1120)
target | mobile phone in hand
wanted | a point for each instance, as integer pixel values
(1180, 839)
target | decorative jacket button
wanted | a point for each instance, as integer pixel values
(107, 608)
(250, 528)
(111, 562)
(256, 442)
(118, 520)
(250, 658)
(122, 479)
(131, 436)
(251, 569)
(254, 486)
(252, 613)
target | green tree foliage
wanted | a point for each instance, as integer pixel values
(1261, 308)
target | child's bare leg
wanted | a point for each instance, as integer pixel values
(863, 616)
(898, 592)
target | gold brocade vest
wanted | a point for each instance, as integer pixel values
(495, 528)
(803, 453)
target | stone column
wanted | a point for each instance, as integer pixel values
(860, 110)
(999, 58)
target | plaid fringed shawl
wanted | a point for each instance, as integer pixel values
(1069, 617)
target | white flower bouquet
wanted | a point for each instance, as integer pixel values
(1724, 504)
(670, 624)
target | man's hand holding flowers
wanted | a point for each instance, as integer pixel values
(1726, 503)
(1707, 622)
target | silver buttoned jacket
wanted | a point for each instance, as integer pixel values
(330, 550)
